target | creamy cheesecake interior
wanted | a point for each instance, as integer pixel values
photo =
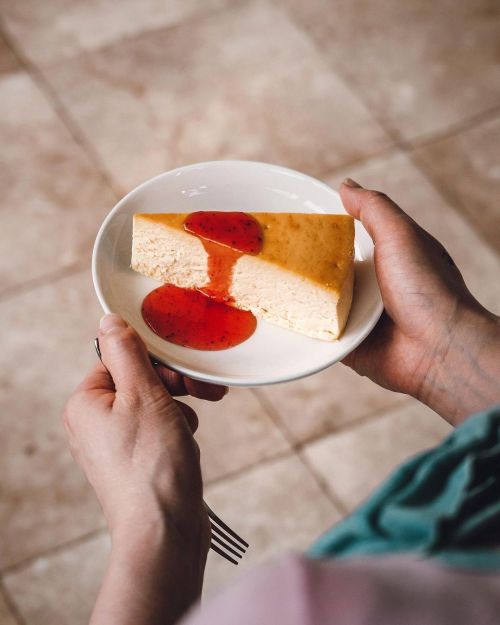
(301, 280)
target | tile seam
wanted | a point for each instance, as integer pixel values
(11, 604)
(18, 567)
(227, 477)
(46, 89)
(189, 21)
(408, 145)
(46, 279)
(332, 497)
(455, 202)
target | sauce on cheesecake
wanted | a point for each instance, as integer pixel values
(225, 237)
(203, 318)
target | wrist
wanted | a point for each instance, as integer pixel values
(153, 575)
(464, 372)
(154, 529)
(136, 531)
(169, 564)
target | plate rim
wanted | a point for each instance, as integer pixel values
(213, 378)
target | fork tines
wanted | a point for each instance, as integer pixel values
(225, 541)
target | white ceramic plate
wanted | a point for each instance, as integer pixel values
(272, 354)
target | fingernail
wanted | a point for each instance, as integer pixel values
(110, 321)
(349, 182)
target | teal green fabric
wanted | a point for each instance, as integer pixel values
(444, 503)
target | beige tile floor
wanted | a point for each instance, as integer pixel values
(403, 96)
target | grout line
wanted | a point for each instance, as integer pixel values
(328, 492)
(386, 151)
(299, 446)
(325, 488)
(374, 415)
(296, 450)
(11, 604)
(393, 133)
(43, 280)
(409, 146)
(60, 110)
(457, 128)
(227, 477)
(396, 401)
(69, 544)
(190, 20)
(389, 131)
(454, 201)
(296, 447)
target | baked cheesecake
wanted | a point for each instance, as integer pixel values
(300, 278)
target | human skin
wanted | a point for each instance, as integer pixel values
(434, 340)
(135, 442)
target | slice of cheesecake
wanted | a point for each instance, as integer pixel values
(302, 279)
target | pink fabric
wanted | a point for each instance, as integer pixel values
(393, 590)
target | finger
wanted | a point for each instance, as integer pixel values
(385, 221)
(98, 379)
(126, 358)
(204, 390)
(377, 212)
(171, 380)
(190, 415)
(177, 384)
(363, 357)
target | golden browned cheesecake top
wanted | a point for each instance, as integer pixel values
(320, 247)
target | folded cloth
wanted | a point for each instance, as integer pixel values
(443, 503)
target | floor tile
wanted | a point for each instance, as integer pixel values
(46, 349)
(275, 507)
(6, 615)
(60, 588)
(8, 61)
(468, 166)
(53, 29)
(397, 176)
(353, 463)
(234, 433)
(214, 89)
(422, 66)
(323, 402)
(52, 201)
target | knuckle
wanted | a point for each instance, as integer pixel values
(407, 226)
(70, 406)
(172, 381)
(65, 415)
(376, 197)
(70, 409)
(189, 415)
(135, 402)
(124, 337)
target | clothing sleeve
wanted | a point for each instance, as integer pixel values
(444, 503)
(392, 590)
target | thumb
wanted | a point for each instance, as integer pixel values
(377, 212)
(126, 358)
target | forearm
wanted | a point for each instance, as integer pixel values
(152, 578)
(465, 376)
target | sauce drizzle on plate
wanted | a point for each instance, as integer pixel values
(204, 318)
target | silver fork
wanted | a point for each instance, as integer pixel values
(224, 540)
